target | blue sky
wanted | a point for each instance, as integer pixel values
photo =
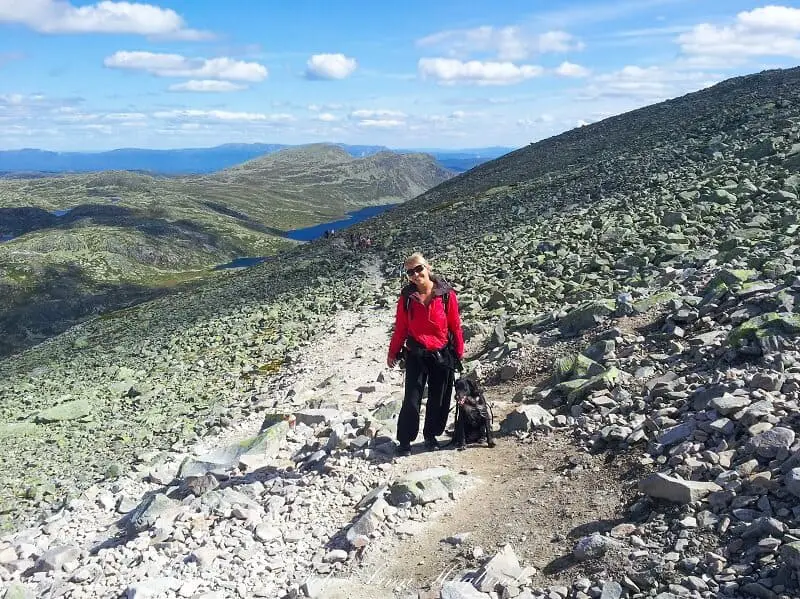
(446, 74)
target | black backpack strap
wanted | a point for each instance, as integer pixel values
(407, 297)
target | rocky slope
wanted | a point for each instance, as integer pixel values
(83, 244)
(636, 280)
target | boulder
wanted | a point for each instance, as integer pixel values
(585, 316)
(425, 486)
(69, 410)
(769, 443)
(526, 418)
(152, 508)
(501, 570)
(676, 489)
(265, 444)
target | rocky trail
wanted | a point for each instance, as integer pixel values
(525, 492)
(629, 294)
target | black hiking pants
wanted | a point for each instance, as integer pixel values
(421, 369)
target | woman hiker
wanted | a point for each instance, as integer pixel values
(428, 325)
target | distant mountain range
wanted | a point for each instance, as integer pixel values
(187, 161)
(76, 244)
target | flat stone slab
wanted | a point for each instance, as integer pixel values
(425, 486)
(675, 489)
(504, 569)
(69, 410)
(525, 418)
(265, 444)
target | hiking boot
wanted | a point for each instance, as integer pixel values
(431, 444)
(403, 450)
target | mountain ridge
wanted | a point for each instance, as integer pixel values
(183, 161)
(69, 241)
(639, 299)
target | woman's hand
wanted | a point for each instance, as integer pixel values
(390, 361)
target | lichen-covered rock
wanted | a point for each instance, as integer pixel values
(69, 410)
(585, 316)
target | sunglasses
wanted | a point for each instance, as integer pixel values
(416, 270)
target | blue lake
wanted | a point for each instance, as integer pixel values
(6, 237)
(311, 233)
(60, 212)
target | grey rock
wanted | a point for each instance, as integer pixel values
(728, 404)
(460, 590)
(151, 509)
(792, 482)
(526, 418)
(17, 590)
(593, 546)
(265, 444)
(69, 410)
(675, 489)
(769, 381)
(316, 416)
(502, 569)
(768, 443)
(54, 559)
(611, 590)
(152, 588)
(425, 486)
(585, 316)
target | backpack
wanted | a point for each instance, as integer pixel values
(408, 290)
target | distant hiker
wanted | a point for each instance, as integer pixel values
(428, 326)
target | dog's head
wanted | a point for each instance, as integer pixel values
(465, 388)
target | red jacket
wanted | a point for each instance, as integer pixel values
(429, 325)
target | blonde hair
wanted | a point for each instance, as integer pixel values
(417, 257)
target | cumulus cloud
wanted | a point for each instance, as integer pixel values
(175, 65)
(206, 85)
(327, 117)
(450, 71)
(569, 69)
(506, 43)
(382, 124)
(379, 113)
(224, 115)
(60, 16)
(647, 84)
(379, 118)
(542, 119)
(330, 66)
(766, 31)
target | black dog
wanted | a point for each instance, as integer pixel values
(473, 422)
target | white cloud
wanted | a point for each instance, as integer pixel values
(766, 31)
(60, 16)
(330, 66)
(381, 123)
(379, 113)
(327, 117)
(771, 18)
(125, 116)
(542, 119)
(569, 69)
(175, 65)
(506, 43)
(206, 85)
(650, 84)
(224, 115)
(450, 71)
